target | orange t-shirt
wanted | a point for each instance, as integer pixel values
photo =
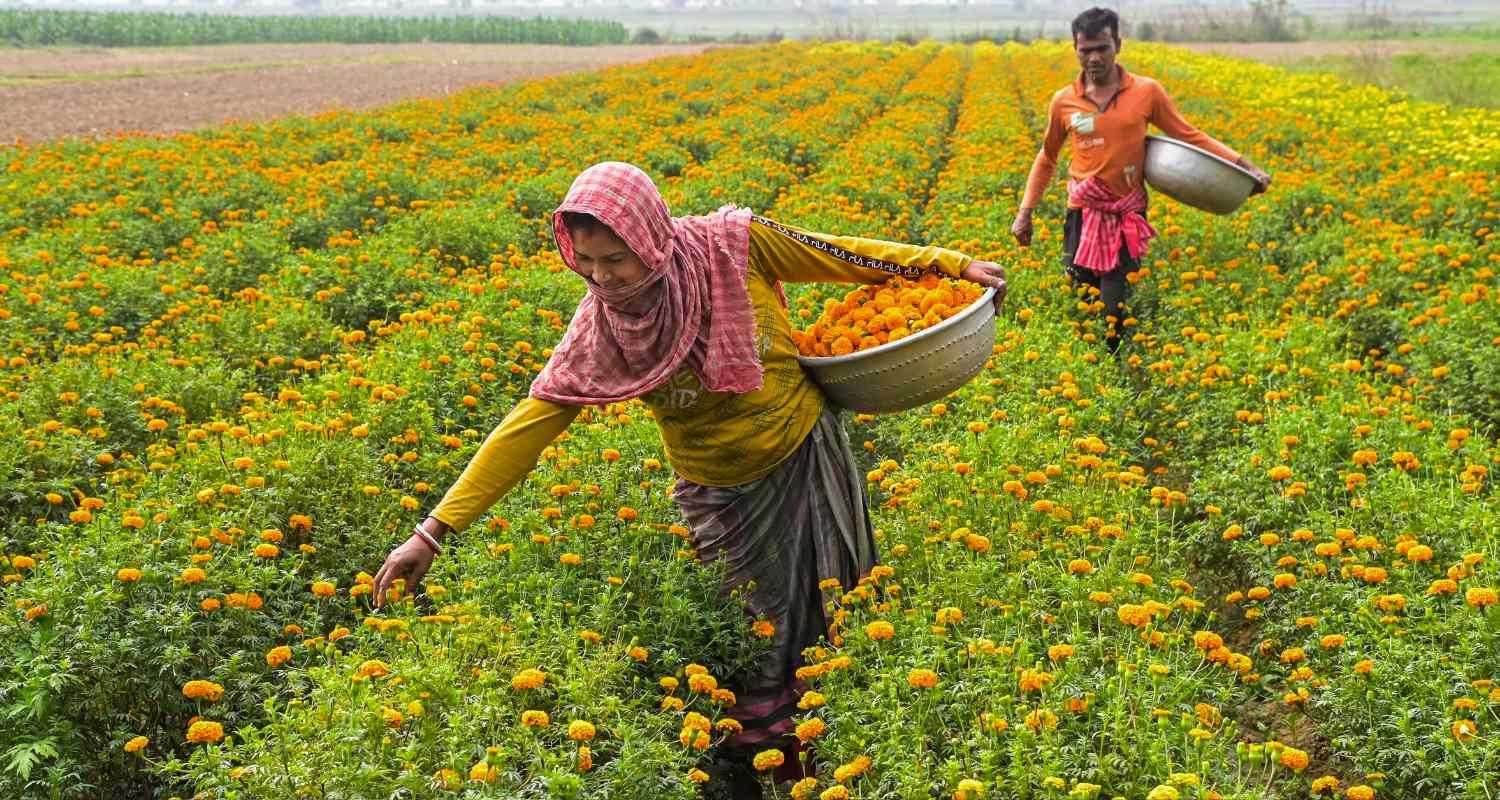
(1110, 142)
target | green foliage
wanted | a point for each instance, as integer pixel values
(48, 28)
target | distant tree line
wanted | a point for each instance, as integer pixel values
(1262, 21)
(40, 28)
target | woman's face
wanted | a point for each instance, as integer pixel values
(606, 259)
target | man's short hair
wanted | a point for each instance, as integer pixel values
(1096, 21)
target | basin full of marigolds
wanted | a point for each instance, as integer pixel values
(899, 344)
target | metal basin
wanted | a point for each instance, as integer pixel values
(906, 373)
(1194, 176)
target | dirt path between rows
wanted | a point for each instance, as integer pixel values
(55, 93)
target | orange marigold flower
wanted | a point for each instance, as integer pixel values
(278, 655)
(1134, 615)
(202, 690)
(205, 732)
(922, 678)
(1293, 759)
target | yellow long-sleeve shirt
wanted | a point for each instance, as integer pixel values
(713, 438)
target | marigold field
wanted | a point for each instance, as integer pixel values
(1254, 557)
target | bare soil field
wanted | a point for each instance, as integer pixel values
(1288, 52)
(59, 92)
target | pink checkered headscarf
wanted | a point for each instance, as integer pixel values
(692, 309)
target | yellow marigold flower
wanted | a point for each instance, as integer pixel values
(1163, 792)
(880, 630)
(1060, 652)
(585, 758)
(267, 550)
(949, 615)
(137, 744)
(702, 683)
(763, 629)
(1480, 597)
(323, 589)
(528, 679)
(768, 760)
(483, 772)
(1041, 718)
(835, 793)
(580, 730)
(205, 732)
(969, 789)
(193, 575)
(392, 717)
(372, 668)
(535, 719)
(853, 769)
(810, 729)
(803, 789)
(1464, 730)
(1325, 785)
(811, 700)
(1360, 792)
(128, 575)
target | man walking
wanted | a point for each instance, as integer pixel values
(1107, 110)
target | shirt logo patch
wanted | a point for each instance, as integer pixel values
(1082, 122)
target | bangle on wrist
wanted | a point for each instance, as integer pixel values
(427, 539)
